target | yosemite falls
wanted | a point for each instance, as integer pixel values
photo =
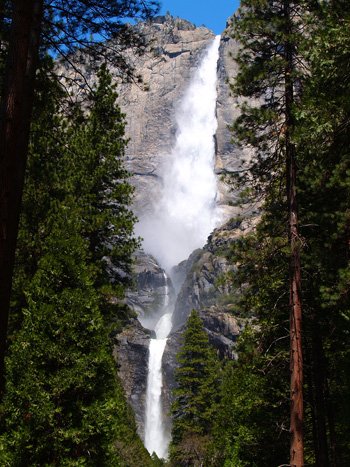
(181, 221)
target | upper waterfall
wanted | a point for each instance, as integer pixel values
(185, 214)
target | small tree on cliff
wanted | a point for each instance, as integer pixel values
(197, 378)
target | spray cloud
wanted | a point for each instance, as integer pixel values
(185, 214)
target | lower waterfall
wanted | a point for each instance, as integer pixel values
(182, 220)
(156, 438)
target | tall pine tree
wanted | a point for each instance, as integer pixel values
(64, 404)
(268, 32)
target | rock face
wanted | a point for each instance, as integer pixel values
(152, 286)
(131, 353)
(222, 329)
(206, 290)
(150, 107)
(206, 270)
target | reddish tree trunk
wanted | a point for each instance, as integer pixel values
(16, 108)
(296, 355)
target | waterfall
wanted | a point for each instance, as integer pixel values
(183, 218)
(156, 438)
(186, 213)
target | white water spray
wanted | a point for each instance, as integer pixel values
(156, 437)
(186, 213)
(182, 220)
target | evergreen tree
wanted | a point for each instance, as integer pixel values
(323, 133)
(197, 378)
(46, 180)
(64, 404)
(61, 400)
(320, 132)
(100, 182)
(269, 34)
(254, 405)
(61, 26)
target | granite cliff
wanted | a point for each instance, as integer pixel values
(150, 108)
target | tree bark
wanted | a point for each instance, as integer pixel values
(296, 355)
(16, 108)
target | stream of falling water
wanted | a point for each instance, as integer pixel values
(182, 220)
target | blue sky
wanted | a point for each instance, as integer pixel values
(211, 13)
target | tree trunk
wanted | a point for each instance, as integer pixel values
(16, 108)
(296, 356)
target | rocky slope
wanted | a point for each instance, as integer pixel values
(131, 354)
(207, 290)
(147, 297)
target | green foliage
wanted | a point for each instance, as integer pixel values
(265, 29)
(321, 117)
(254, 405)
(100, 182)
(61, 397)
(323, 136)
(193, 410)
(64, 404)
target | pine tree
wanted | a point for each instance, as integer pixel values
(100, 182)
(61, 400)
(254, 399)
(68, 407)
(197, 378)
(320, 136)
(269, 35)
(46, 180)
(37, 26)
(324, 185)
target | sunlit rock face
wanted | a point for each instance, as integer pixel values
(151, 106)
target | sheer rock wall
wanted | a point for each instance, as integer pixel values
(150, 109)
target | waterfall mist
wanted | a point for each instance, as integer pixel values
(182, 219)
(185, 214)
